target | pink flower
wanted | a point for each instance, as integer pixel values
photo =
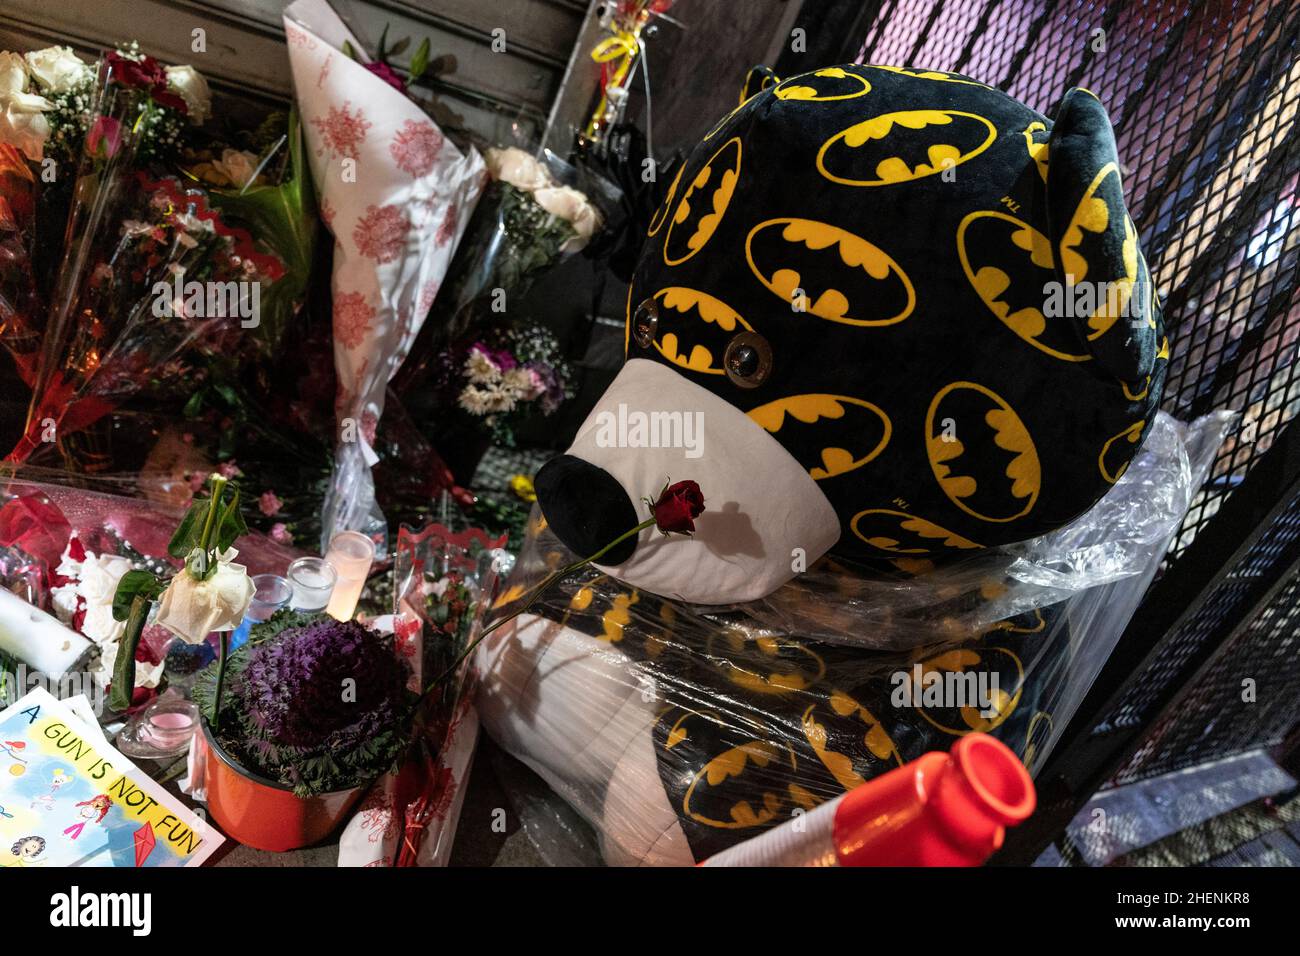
(280, 533)
(387, 74)
(197, 480)
(353, 317)
(415, 148)
(228, 469)
(269, 504)
(342, 131)
(381, 233)
(105, 138)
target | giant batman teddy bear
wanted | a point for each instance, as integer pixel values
(913, 323)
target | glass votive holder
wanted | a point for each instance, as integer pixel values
(312, 580)
(351, 553)
(161, 730)
(271, 592)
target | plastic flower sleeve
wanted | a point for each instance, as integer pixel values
(679, 731)
(443, 583)
(395, 193)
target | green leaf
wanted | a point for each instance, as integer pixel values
(186, 537)
(420, 62)
(348, 50)
(193, 407)
(131, 584)
(231, 524)
(124, 666)
(383, 44)
(400, 46)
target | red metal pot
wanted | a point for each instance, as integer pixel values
(264, 814)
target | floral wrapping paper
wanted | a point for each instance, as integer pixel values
(375, 833)
(396, 194)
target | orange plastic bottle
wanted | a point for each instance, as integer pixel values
(942, 809)
(939, 810)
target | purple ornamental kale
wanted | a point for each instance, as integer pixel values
(332, 683)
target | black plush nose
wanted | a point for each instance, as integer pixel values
(586, 508)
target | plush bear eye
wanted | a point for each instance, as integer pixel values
(645, 324)
(748, 359)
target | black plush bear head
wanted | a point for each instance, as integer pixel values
(886, 313)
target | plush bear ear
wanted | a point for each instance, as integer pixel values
(1094, 242)
(759, 79)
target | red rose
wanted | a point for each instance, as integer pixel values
(387, 74)
(678, 507)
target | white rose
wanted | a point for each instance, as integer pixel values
(236, 165)
(99, 576)
(99, 626)
(563, 202)
(13, 75)
(22, 121)
(585, 225)
(192, 609)
(518, 168)
(193, 89)
(57, 69)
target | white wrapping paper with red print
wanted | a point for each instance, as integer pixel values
(416, 808)
(396, 195)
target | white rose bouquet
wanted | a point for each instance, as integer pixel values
(209, 593)
(528, 220)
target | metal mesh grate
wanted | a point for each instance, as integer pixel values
(1205, 106)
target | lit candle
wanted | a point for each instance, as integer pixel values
(351, 553)
(313, 580)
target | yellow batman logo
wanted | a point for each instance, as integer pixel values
(753, 766)
(764, 663)
(1118, 450)
(1037, 137)
(981, 453)
(843, 738)
(897, 532)
(711, 311)
(993, 246)
(972, 663)
(681, 299)
(872, 290)
(937, 75)
(810, 409)
(702, 206)
(802, 87)
(661, 215)
(904, 146)
(1103, 200)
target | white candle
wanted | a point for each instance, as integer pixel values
(351, 554)
(313, 580)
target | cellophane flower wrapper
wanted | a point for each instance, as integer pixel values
(509, 243)
(20, 306)
(128, 231)
(443, 584)
(395, 193)
(48, 526)
(678, 730)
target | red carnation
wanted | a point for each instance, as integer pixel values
(678, 507)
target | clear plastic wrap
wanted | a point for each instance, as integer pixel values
(679, 731)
